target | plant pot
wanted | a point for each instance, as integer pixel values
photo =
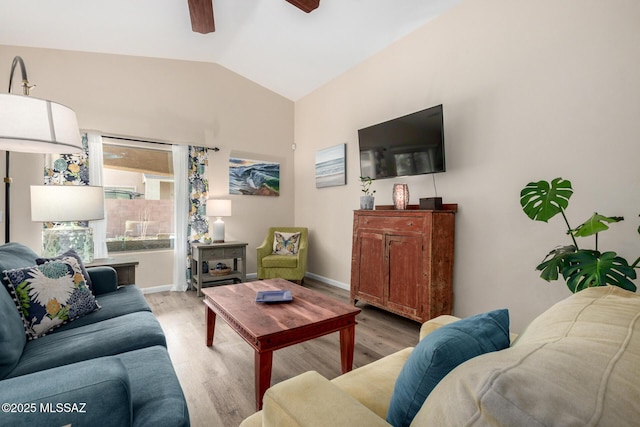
(366, 202)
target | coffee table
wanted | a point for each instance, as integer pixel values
(269, 327)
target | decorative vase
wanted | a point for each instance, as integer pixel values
(400, 196)
(366, 202)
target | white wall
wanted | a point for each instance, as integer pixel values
(531, 90)
(176, 101)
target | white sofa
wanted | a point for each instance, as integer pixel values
(577, 364)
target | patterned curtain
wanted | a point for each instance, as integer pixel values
(68, 169)
(198, 223)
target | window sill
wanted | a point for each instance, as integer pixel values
(139, 245)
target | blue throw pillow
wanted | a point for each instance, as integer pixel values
(50, 295)
(438, 354)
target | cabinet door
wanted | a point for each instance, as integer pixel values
(404, 259)
(370, 285)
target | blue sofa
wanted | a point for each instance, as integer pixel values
(108, 368)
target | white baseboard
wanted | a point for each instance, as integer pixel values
(328, 281)
(155, 289)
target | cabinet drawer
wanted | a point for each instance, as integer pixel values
(232, 252)
(404, 223)
(213, 253)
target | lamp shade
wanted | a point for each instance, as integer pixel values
(62, 203)
(32, 125)
(218, 207)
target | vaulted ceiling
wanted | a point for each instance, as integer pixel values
(289, 46)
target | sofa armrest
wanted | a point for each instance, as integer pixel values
(104, 279)
(95, 392)
(310, 399)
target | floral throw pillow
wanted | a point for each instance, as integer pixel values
(285, 243)
(50, 295)
(70, 253)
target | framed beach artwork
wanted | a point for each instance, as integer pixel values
(253, 177)
(331, 166)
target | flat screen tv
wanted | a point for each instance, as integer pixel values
(408, 145)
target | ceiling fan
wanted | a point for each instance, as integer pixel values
(201, 12)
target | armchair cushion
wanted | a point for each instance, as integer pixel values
(50, 295)
(438, 354)
(286, 261)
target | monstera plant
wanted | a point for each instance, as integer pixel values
(580, 268)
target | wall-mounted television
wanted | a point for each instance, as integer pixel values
(408, 145)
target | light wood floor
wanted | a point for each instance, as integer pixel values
(218, 380)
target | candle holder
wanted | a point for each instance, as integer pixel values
(400, 196)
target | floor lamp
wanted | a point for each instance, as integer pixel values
(32, 125)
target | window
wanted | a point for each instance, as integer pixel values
(138, 187)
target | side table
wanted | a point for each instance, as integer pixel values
(201, 252)
(125, 268)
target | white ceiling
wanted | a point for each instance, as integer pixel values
(270, 42)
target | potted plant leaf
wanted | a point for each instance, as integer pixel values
(366, 201)
(580, 268)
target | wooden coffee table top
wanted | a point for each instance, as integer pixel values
(273, 326)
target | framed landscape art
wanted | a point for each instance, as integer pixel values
(331, 166)
(254, 177)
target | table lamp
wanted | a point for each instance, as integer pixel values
(65, 205)
(218, 208)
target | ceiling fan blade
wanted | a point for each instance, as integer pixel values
(201, 12)
(306, 5)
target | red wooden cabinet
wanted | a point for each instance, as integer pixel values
(402, 261)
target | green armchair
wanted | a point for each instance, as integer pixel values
(289, 267)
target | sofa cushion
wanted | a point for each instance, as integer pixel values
(438, 353)
(306, 390)
(576, 364)
(372, 384)
(91, 393)
(12, 336)
(106, 338)
(50, 295)
(283, 261)
(124, 300)
(156, 393)
(285, 243)
(15, 255)
(70, 253)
